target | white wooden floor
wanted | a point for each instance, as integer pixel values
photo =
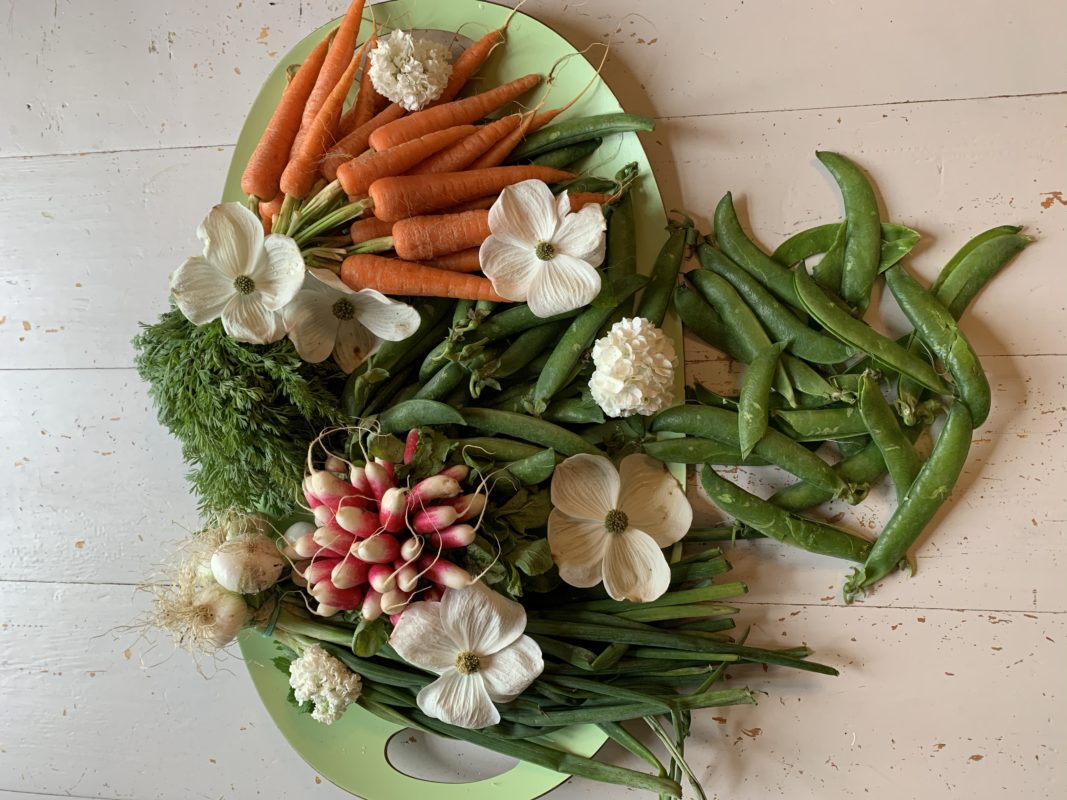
(116, 124)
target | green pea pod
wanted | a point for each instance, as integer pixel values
(973, 244)
(534, 469)
(574, 411)
(860, 335)
(589, 183)
(936, 328)
(775, 447)
(745, 337)
(928, 492)
(900, 457)
(416, 413)
(806, 243)
(657, 294)
(863, 245)
(735, 243)
(778, 319)
(705, 396)
(498, 448)
(577, 339)
(831, 267)
(807, 380)
(514, 320)
(700, 318)
(563, 157)
(897, 242)
(821, 424)
(528, 429)
(963, 282)
(768, 519)
(621, 257)
(579, 130)
(385, 392)
(392, 356)
(753, 410)
(696, 450)
(525, 347)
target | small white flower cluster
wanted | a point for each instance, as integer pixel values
(634, 369)
(319, 678)
(409, 71)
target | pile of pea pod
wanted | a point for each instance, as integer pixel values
(817, 373)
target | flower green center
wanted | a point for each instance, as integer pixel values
(545, 251)
(343, 310)
(468, 662)
(616, 521)
(244, 284)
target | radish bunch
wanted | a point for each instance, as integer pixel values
(377, 545)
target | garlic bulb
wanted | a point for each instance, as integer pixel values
(247, 564)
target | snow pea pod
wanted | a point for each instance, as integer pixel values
(528, 429)
(498, 448)
(574, 411)
(745, 336)
(534, 469)
(936, 328)
(697, 450)
(863, 244)
(416, 413)
(516, 319)
(806, 243)
(451, 377)
(821, 424)
(525, 347)
(973, 244)
(778, 319)
(831, 266)
(900, 457)
(563, 157)
(774, 522)
(735, 243)
(579, 335)
(777, 448)
(857, 333)
(579, 130)
(657, 294)
(979, 266)
(753, 409)
(703, 320)
(930, 489)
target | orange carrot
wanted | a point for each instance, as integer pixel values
(303, 168)
(265, 167)
(267, 210)
(359, 173)
(356, 142)
(473, 205)
(392, 276)
(465, 152)
(405, 196)
(337, 61)
(463, 261)
(458, 112)
(363, 230)
(362, 109)
(469, 62)
(421, 238)
(495, 156)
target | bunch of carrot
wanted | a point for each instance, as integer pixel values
(426, 178)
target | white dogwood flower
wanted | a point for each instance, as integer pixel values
(243, 277)
(473, 639)
(611, 525)
(326, 316)
(541, 253)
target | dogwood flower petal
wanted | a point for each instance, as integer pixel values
(384, 317)
(311, 325)
(200, 290)
(510, 268)
(562, 284)
(578, 548)
(525, 213)
(634, 568)
(279, 273)
(653, 500)
(420, 639)
(459, 699)
(232, 237)
(585, 487)
(246, 319)
(354, 345)
(480, 620)
(581, 235)
(507, 673)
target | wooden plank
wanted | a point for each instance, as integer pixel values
(937, 166)
(129, 75)
(915, 704)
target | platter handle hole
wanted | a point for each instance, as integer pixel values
(431, 758)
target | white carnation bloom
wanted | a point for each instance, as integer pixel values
(319, 678)
(408, 71)
(634, 369)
